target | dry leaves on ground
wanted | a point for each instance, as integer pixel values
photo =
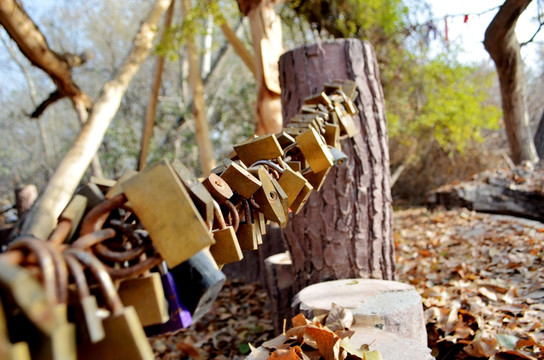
(239, 316)
(325, 337)
(481, 280)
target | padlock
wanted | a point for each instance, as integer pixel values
(200, 196)
(332, 135)
(294, 165)
(61, 342)
(267, 197)
(320, 98)
(103, 184)
(118, 187)
(167, 212)
(338, 156)
(125, 337)
(179, 315)
(284, 139)
(70, 219)
(27, 300)
(261, 148)
(83, 309)
(93, 195)
(346, 102)
(347, 125)
(317, 179)
(258, 218)
(350, 89)
(248, 231)
(241, 180)
(198, 281)
(301, 198)
(226, 249)
(315, 151)
(218, 188)
(284, 200)
(291, 182)
(146, 295)
(9, 351)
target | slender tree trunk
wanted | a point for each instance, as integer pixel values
(151, 109)
(199, 105)
(42, 217)
(238, 46)
(267, 46)
(539, 137)
(345, 229)
(501, 43)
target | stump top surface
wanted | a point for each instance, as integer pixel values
(352, 293)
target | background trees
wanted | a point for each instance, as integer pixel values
(438, 109)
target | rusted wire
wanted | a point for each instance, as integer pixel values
(98, 215)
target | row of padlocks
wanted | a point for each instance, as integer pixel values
(142, 255)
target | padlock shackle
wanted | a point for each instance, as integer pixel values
(61, 232)
(234, 215)
(61, 272)
(45, 262)
(105, 253)
(113, 301)
(88, 240)
(98, 215)
(78, 275)
(268, 163)
(134, 270)
(219, 215)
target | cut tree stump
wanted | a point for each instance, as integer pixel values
(385, 305)
(279, 283)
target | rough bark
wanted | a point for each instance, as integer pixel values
(71, 169)
(33, 45)
(199, 105)
(151, 108)
(502, 45)
(345, 230)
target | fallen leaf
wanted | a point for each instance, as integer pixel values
(189, 349)
(326, 341)
(482, 345)
(339, 318)
(299, 320)
(284, 354)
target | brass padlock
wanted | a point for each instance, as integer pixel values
(118, 187)
(200, 196)
(317, 179)
(248, 231)
(261, 148)
(284, 139)
(226, 249)
(9, 351)
(320, 98)
(93, 195)
(332, 135)
(125, 337)
(315, 151)
(103, 184)
(291, 182)
(241, 180)
(83, 310)
(167, 212)
(61, 342)
(350, 89)
(301, 198)
(267, 197)
(218, 188)
(347, 125)
(146, 295)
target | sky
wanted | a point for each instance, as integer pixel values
(471, 33)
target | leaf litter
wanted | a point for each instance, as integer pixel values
(481, 279)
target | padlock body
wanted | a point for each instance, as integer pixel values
(226, 249)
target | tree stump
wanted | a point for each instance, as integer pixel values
(345, 229)
(279, 283)
(379, 304)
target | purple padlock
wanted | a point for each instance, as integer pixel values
(180, 316)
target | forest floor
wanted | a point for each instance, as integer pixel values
(480, 276)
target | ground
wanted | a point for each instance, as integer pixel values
(480, 277)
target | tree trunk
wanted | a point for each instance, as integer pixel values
(267, 41)
(539, 137)
(345, 229)
(151, 108)
(199, 105)
(56, 195)
(501, 43)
